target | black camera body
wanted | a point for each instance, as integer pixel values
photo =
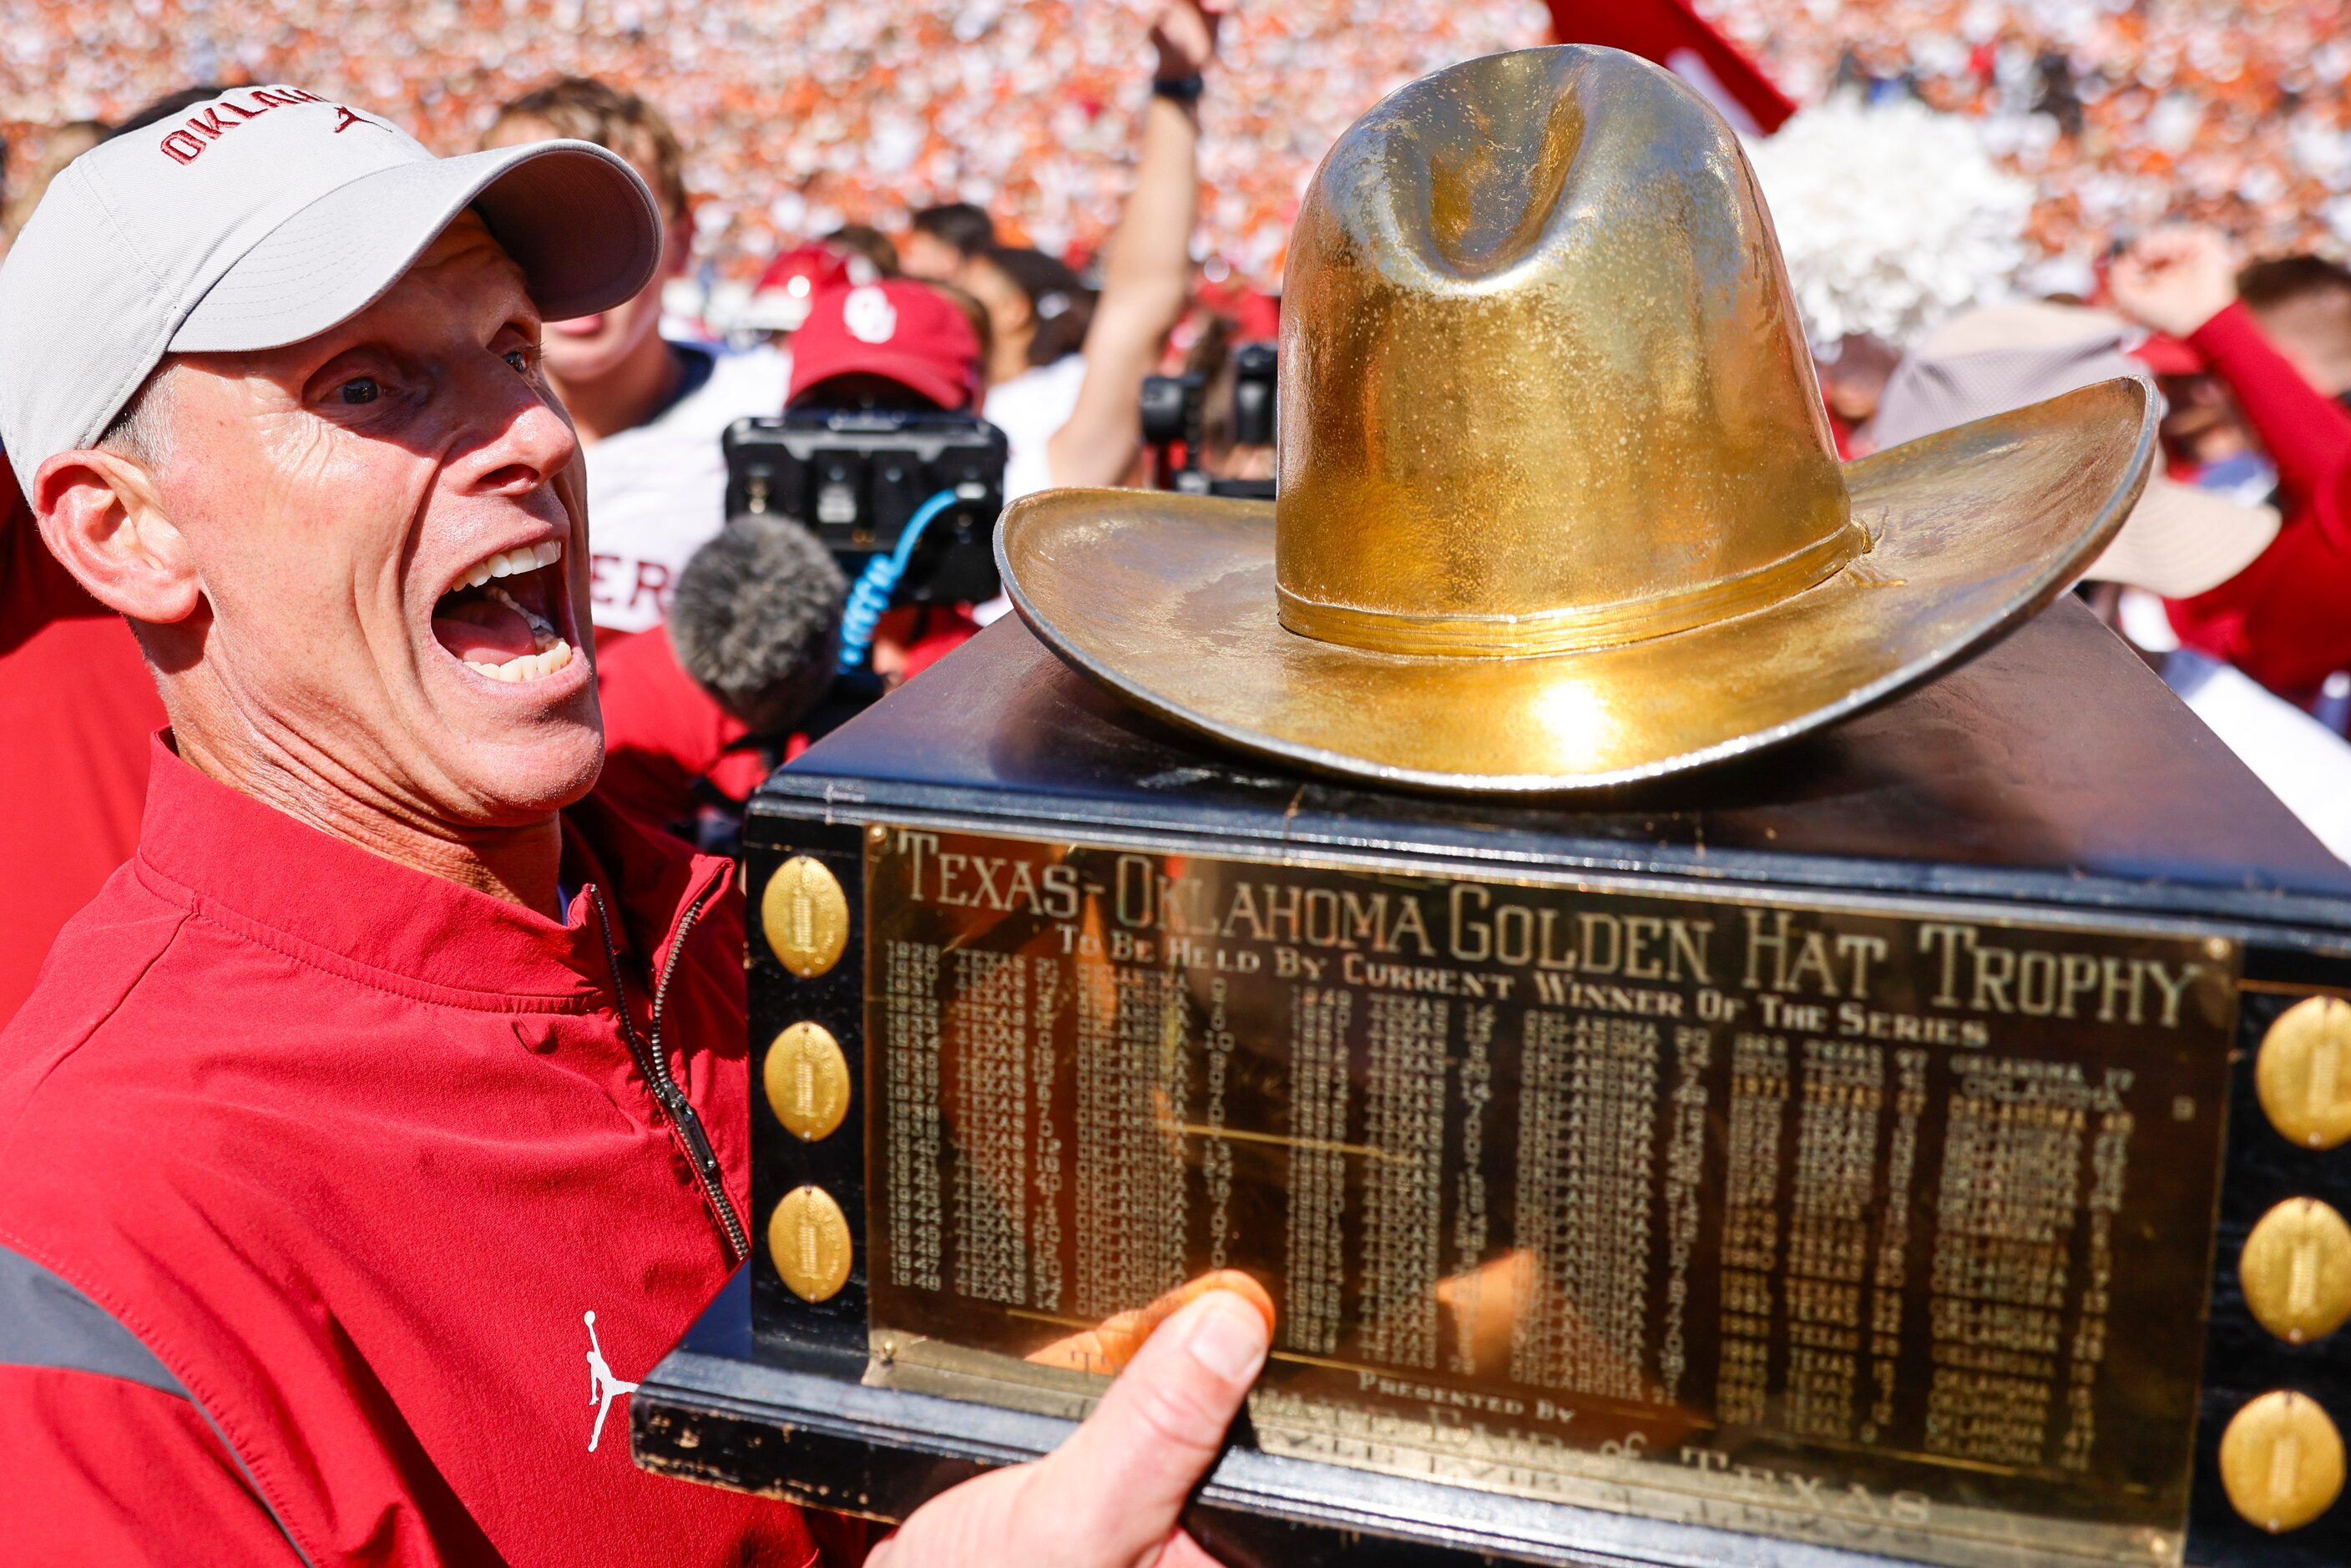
(1172, 410)
(1254, 368)
(856, 477)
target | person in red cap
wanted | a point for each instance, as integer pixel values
(2282, 620)
(873, 344)
(681, 746)
(789, 285)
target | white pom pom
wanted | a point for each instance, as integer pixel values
(1893, 219)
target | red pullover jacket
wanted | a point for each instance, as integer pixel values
(314, 1170)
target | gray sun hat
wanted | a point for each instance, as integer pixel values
(265, 216)
(2178, 541)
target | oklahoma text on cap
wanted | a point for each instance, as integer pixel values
(265, 216)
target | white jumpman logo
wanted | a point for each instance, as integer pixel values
(602, 1386)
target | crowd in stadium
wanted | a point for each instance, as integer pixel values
(1030, 108)
(2121, 115)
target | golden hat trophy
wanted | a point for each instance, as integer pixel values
(1558, 503)
(1725, 1018)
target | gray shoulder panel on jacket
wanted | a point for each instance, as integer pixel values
(45, 1321)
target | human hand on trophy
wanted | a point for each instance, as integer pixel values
(2175, 279)
(1109, 1496)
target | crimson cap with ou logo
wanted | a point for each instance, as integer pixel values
(265, 216)
(898, 329)
(780, 300)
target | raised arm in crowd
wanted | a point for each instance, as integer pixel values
(2280, 620)
(1066, 366)
(1147, 270)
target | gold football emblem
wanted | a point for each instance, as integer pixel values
(807, 1079)
(2302, 1074)
(808, 1238)
(806, 917)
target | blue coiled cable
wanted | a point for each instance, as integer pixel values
(869, 597)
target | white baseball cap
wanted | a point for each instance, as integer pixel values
(265, 216)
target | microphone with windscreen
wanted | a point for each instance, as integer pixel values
(756, 620)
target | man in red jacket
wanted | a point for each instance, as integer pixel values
(394, 1084)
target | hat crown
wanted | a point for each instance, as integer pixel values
(1543, 384)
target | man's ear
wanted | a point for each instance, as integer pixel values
(101, 517)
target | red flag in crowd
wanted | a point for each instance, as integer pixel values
(1671, 34)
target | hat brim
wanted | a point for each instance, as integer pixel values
(1170, 600)
(2181, 541)
(575, 217)
(913, 371)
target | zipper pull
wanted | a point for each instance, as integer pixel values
(697, 1142)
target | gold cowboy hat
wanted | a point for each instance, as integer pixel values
(1558, 506)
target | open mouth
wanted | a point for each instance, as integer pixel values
(503, 616)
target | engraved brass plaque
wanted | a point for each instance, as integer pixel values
(807, 1081)
(805, 916)
(807, 1236)
(1799, 1220)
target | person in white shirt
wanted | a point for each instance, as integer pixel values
(1065, 368)
(649, 412)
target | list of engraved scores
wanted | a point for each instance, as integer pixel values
(1804, 1220)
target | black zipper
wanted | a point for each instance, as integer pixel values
(653, 1060)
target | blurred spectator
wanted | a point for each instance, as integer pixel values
(1066, 371)
(77, 709)
(2178, 541)
(2303, 304)
(1038, 313)
(2282, 618)
(905, 344)
(650, 412)
(2181, 541)
(940, 240)
(695, 719)
(1854, 372)
(780, 301)
(66, 143)
(870, 243)
(879, 344)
